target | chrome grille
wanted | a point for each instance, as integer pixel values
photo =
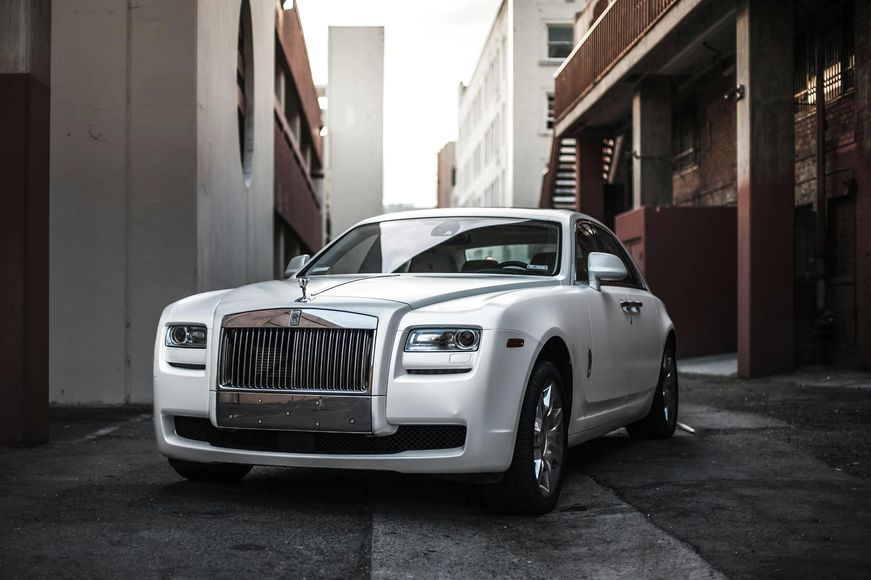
(296, 359)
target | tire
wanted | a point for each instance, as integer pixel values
(661, 420)
(214, 472)
(532, 484)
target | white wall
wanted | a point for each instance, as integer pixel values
(355, 122)
(143, 145)
(88, 204)
(533, 73)
(524, 138)
(235, 219)
(484, 115)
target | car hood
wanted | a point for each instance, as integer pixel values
(415, 290)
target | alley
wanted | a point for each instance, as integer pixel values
(745, 496)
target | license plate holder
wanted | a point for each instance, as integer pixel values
(294, 412)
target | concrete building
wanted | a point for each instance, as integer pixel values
(179, 164)
(355, 119)
(505, 114)
(728, 145)
(446, 171)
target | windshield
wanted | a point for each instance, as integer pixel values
(468, 245)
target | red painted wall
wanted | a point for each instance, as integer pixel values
(689, 257)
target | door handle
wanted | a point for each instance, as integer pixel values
(631, 306)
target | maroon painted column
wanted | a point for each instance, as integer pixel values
(863, 181)
(766, 187)
(591, 189)
(24, 162)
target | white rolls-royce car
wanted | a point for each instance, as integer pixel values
(462, 341)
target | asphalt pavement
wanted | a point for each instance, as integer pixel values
(773, 483)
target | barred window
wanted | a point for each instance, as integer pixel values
(833, 27)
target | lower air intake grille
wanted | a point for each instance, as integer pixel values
(406, 438)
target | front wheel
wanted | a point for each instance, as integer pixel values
(214, 472)
(533, 482)
(661, 421)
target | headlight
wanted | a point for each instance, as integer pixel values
(185, 336)
(442, 339)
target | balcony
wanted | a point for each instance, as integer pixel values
(620, 27)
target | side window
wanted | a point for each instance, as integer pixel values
(591, 238)
(585, 242)
(610, 245)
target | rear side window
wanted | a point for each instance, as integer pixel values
(592, 238)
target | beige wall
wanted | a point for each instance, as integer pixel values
(147, 200)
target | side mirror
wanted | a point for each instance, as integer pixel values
(295, 265)
(602, 266)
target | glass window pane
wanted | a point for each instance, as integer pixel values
(485, 245)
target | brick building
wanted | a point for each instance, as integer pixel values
(728, 143)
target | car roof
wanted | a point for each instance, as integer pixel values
(560, 215)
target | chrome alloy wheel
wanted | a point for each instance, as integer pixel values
(669, 385)
(548, 439)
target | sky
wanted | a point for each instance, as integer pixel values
(430, 46)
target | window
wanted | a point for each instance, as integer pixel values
(445, 245)
(592, 238)
(550, 116)
(834, 27)
(684, 151)
(245, 90)
(559, 40)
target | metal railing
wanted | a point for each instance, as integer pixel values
(614, 33)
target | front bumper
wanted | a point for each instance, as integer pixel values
(485, 400)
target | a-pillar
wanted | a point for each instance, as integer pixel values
(766, 188)
(591, 189)
(651, 143)
(25, 31)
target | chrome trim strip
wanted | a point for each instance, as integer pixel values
(309, 318)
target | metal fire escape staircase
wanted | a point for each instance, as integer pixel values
(560, 184)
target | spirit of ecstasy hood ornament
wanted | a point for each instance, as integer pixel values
(303, 282)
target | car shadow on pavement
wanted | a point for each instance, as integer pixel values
(315, 490)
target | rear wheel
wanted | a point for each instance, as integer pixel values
(533, 482)
(215, 472)
(661, 421)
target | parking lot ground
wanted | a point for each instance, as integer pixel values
(773, 483)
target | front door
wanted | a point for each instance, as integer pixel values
(642, 341)
(609, 331)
